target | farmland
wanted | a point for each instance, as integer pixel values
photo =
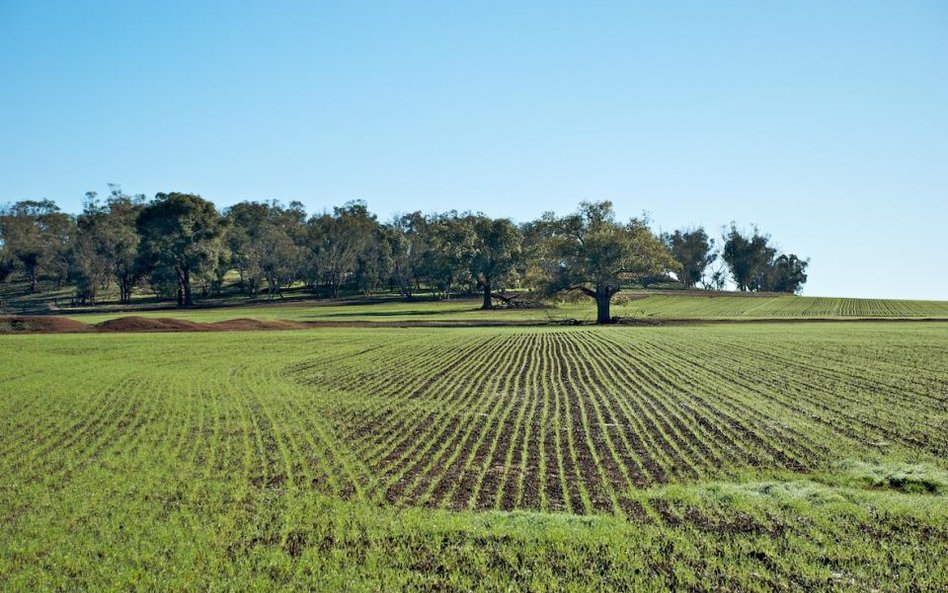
(635, 305)
(737, 306)
(738, 457)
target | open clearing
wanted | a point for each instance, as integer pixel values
(734, 457)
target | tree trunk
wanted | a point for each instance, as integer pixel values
(32, 282)
(603, 299)
(186, 282)
(488, 303)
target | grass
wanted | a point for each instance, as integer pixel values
(736, 306)
(391, 308)
(923, 479)
(647, 307)
(739, 457)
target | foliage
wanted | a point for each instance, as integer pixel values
(450, 251)
(594, 254)
(755, 265)
(36, 236)
(181, 239)
(7, 263)
(178, 242)
(105, 247)
(748, 257)
(406, 239)
(496, 253)
(337, 240)
(787, 273)
(264, 239)
(694, 252)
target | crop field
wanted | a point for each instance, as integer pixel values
(727, 457)
(573, 420)
(736, 306)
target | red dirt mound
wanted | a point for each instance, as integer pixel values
(40, 324)
(254, 324)
(149, 324)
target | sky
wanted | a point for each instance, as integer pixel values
(823, 123)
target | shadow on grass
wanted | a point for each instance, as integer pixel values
(383, 314)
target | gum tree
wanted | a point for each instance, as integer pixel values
(181, 238)
(36, 237)
(496, 251)
(694, 250)
(594, 254)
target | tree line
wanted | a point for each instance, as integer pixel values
(177, 244)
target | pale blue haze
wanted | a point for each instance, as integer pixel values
(823, 122)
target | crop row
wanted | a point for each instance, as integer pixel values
(569, 419)
(574, 419)
(759, 307)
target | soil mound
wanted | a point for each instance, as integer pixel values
(246, 324)
(40, 324)
(149, 324)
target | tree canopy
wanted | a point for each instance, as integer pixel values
(496, 252)
(594, 254)
(35, 236)
(181, 237)
(756, 265)
(694, 252)
(178, 241)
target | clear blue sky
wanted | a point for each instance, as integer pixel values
(823, 122)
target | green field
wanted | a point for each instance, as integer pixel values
(632, 305)
(390, 308)
(736, 306)
(751, 457)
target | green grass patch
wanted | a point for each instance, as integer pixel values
(913, 478)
